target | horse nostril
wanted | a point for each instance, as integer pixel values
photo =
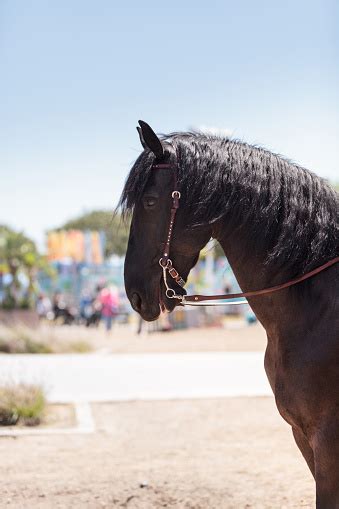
(136, 301)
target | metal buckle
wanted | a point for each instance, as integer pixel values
(176, 194)
(173, 273)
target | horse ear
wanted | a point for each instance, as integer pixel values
(142, 141)
(151, 140)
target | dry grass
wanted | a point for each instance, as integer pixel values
(21, 403)
(22, 339)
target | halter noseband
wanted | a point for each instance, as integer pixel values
(195, 300)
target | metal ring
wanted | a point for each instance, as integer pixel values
(170, 293)
(168, 263)
(176, 194)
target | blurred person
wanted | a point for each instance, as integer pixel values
(90, 309)
(229, 310)
(96, 313)
(58, 305)
(109, 300)
(43, 305)
(61, 311)
(86, 308)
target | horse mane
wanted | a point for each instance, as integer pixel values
(292, 212)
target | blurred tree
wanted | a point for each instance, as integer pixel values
(115, 229)
(213, 247)
(218, 250)
(19, 255)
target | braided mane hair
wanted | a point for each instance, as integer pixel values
(290, 211)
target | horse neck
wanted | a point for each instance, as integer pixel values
(252, 273)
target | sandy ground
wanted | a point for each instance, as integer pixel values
(235, 336)
(194, 454)
(202, 454)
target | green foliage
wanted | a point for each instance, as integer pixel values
(21, 403)
(213, 247)
(19, 254)
(16, 250)
(116, 230)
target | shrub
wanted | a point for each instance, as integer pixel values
(22, 344)
(21, 403)
(20, 339)
(80, 347)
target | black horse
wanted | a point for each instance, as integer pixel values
(275, 221)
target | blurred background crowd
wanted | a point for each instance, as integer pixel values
(79, 279)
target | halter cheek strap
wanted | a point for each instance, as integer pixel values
(165, 261)
(196, 300)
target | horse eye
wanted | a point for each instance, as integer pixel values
(149, 202)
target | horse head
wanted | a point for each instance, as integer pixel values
(148, 193)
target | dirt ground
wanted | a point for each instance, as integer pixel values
(198, 454)
(234, 336)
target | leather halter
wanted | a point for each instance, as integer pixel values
(195, 300)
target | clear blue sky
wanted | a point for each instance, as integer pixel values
(76, 75)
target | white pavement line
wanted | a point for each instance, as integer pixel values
(126, 377)
(85, 425)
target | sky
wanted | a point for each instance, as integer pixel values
(76, 75)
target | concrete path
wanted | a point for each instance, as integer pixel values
(88, 377)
